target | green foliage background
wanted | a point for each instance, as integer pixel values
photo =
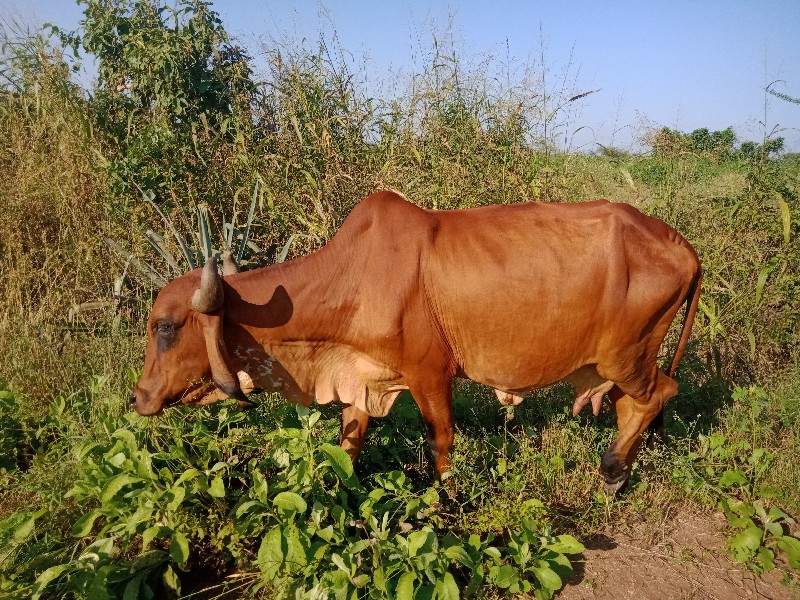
(181, 140)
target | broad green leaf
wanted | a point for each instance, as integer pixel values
(118, 459)
(148, 560)
(504, 576)
(337, 584)
(744, 545)
(548, 578)
(561, 565)
(171, 580)
(732, 477)
(150, 534)
(217, 487)
(83, 526)
(776, 514)
(458, 554)
(176, 495)
(219, 465)
(475, 582)
(20, 525)
(430, 496)
(270, 554)
(115, 484)
(760, 511)
(290, 501)
(340, 461)
(405, 586)
(47, 576)
(766, 558)
(179, 547)
(244, 507)
(296, 546)
(260, 487)
(566, 544)
(791, 546)
(134, 586)
(379, 580)
(360, 546)
(127, 436)
(419, 539)
(493, 552)
(339, 562)
(187, 475)
(103, 548)
(446, 588)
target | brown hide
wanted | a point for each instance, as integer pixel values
(515, 296)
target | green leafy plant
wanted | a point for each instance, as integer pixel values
(296, 512)
(170, 85)
(733, 472)
(759, 535)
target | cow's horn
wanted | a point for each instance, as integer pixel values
(229, 266)
(208, 297)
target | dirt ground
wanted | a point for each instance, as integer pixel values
(685, 560)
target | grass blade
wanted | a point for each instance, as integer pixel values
(154, 276)
(246, 233)
(187, 253)
(159, 245)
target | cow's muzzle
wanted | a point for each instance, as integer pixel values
(143, 406)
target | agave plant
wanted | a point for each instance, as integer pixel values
(237, 251)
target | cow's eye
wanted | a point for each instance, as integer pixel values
(165, 327)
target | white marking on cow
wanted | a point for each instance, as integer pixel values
(255, 361)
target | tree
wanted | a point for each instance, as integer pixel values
(168, 78)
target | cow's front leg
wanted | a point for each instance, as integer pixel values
(436, 406)
(354, 430)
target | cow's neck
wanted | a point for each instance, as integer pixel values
(284, 320)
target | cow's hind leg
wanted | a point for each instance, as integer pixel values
(634, 415)
(354, 430)
(436, 405)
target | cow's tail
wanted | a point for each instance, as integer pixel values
(692, 302)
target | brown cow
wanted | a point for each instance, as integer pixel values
(517, 297)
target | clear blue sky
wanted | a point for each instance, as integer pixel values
(680, 63)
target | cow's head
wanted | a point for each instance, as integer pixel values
(186, 360)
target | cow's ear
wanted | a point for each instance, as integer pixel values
(221, 371)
